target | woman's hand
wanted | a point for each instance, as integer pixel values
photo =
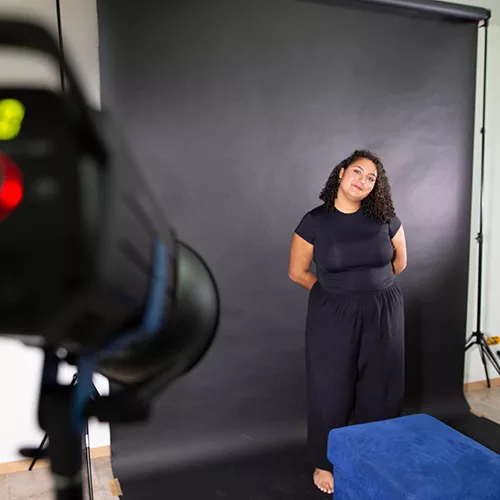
(301, 254)
(400, 257)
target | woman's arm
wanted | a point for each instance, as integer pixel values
(301, 254)
(400, 257)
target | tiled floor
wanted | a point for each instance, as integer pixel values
(486, 402)
(37, 484)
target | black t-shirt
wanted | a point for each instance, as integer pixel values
(352, 252)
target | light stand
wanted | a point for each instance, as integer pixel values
(40, 452)
(478, 337)
(63, 414)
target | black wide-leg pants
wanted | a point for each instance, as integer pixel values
(354, 361)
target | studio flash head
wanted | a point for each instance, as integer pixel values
(89, 265)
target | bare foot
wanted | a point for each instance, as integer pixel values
(323, 480)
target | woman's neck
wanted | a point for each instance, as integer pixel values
(345, 205)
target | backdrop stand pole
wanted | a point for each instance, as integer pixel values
(478, 337)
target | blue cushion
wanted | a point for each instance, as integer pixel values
(415, 457)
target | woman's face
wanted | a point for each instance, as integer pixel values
(358, 179)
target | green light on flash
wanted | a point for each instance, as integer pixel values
(11, 118)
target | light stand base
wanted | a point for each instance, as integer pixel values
(477, 338)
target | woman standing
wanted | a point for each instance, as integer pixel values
(355, 317)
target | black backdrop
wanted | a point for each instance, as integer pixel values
(237, 112)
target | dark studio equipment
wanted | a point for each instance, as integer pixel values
(90, 269)
(86, 438)
(477, 338)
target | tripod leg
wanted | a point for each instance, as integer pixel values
(471, 336)
(40, 448)
(483, 358)
(491, 356)
(73, 382)
(89, 465)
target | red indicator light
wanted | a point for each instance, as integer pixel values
(11, 186)
(11, 193)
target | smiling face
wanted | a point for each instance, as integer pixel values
(358, 179)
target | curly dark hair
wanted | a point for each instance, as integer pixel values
(378, 204)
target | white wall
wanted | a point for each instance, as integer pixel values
(23, 66)
(80, 39)
(20, 366)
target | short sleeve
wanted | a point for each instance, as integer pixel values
(394, 226)
(307, 228)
